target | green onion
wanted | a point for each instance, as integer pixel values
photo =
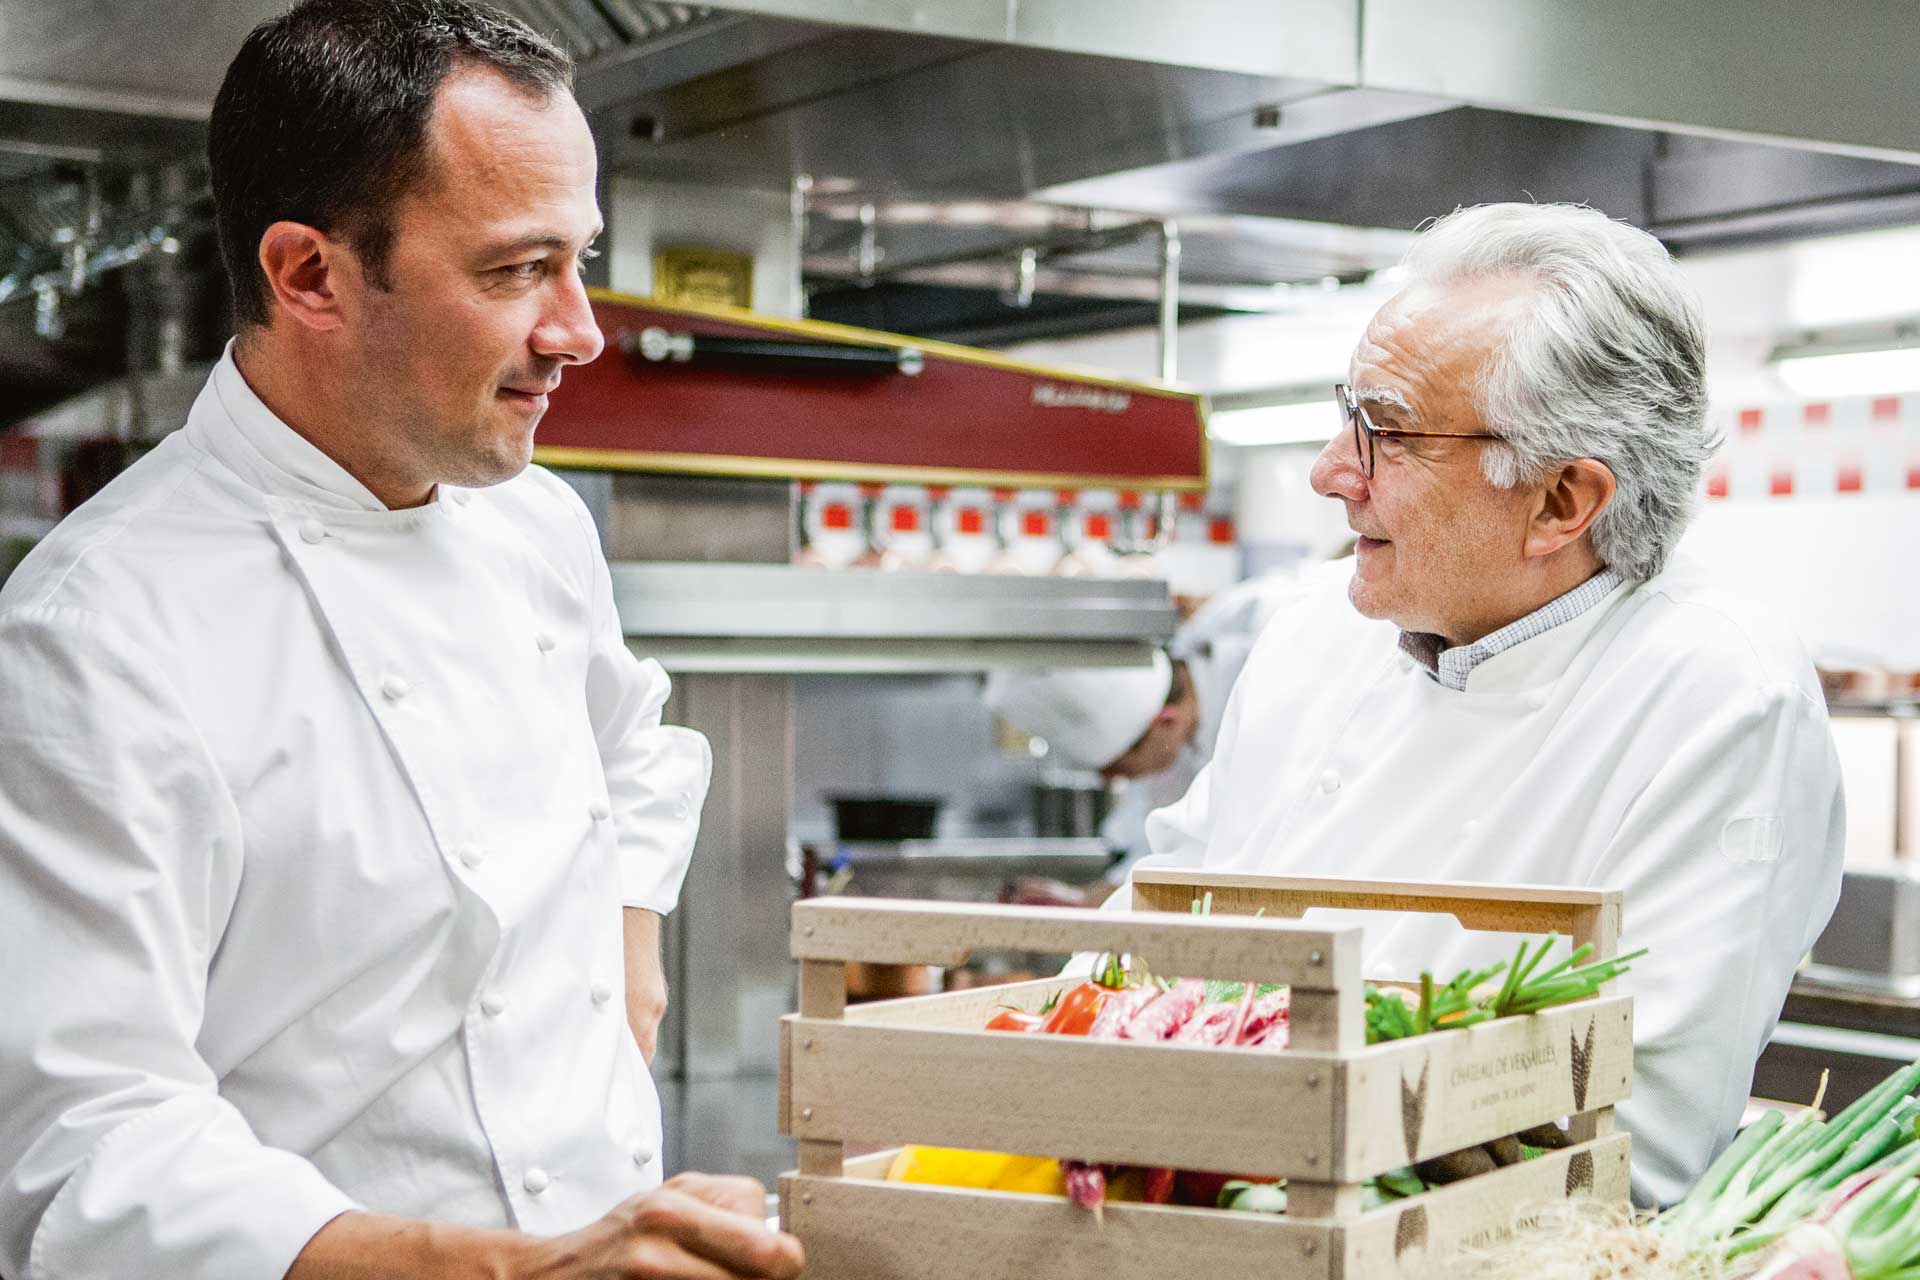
(1833, 1141)
(1720, 1174)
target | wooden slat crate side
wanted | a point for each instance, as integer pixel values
(856, 1230)
(1238, 1111)
(966, 1010)
(889, 931)
(1422, 1237)
(1428, 1095)
(942, 1080)
(1585, 915)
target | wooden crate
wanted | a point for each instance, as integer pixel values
(1326, 1114)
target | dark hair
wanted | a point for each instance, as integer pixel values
(323, 116)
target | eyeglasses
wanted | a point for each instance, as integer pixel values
(1364, 432)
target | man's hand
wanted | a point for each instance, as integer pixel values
(646, 980)
(694, 1227)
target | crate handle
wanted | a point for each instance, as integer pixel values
(895, 931)
(1584, 915)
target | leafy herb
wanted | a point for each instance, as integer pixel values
(1524, 991)
(1222, 991)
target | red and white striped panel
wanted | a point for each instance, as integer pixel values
(1819, 448)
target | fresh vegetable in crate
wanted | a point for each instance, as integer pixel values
(1394, 1014)
(1123, 1003)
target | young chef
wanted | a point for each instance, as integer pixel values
(1516, 680)
(336, 820)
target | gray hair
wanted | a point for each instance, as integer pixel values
(1608, 362)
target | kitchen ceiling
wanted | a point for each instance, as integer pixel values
(1295, 142)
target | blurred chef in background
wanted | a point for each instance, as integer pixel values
(1153, 727)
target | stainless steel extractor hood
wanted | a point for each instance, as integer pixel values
(1296, 141)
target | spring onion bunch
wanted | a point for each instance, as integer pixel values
(1845, 1185)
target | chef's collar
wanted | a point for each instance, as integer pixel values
(287, 464)
(1451, 666)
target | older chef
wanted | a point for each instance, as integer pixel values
(325, 775)
(1153, 726)
(1517, 680)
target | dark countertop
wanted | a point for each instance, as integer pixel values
(1853, 1010)
(1857, 1037)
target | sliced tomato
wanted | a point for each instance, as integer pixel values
(1014, 1020)
(1077, 1010)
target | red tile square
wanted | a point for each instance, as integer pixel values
(1717, 485)
(1780, 484)
(1816, 414)
(1849, 479)
(1886, 409)
(1750, 419)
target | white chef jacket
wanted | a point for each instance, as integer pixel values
(1214, 643)
(316, 822)
(1670, 742)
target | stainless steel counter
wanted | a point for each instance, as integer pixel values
(776, 619)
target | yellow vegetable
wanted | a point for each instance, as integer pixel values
(980, 1170)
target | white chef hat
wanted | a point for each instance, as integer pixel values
(1089, 715)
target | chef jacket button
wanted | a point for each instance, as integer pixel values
(545, 640)
(1329, 782)
(600, 993)
(462, 497)
(394, 688)
(472, 855)
(493, 1004)
(598, 811)
(536, 1181)
(682, 807)
(312, 531)
(643, 1155)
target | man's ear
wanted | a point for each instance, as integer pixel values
(1571, 500)
(304, 267)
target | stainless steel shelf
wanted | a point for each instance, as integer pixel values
(775, 619)
(990, 857)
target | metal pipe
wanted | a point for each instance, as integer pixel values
(1169, 301)
(797, 227)
(1026, 271)
(866, 254)
(1055, 245)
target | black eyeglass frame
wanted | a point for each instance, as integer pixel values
(1364, 432)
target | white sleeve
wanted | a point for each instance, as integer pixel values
(657, 774)
(1730, 860)
(120, 854)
